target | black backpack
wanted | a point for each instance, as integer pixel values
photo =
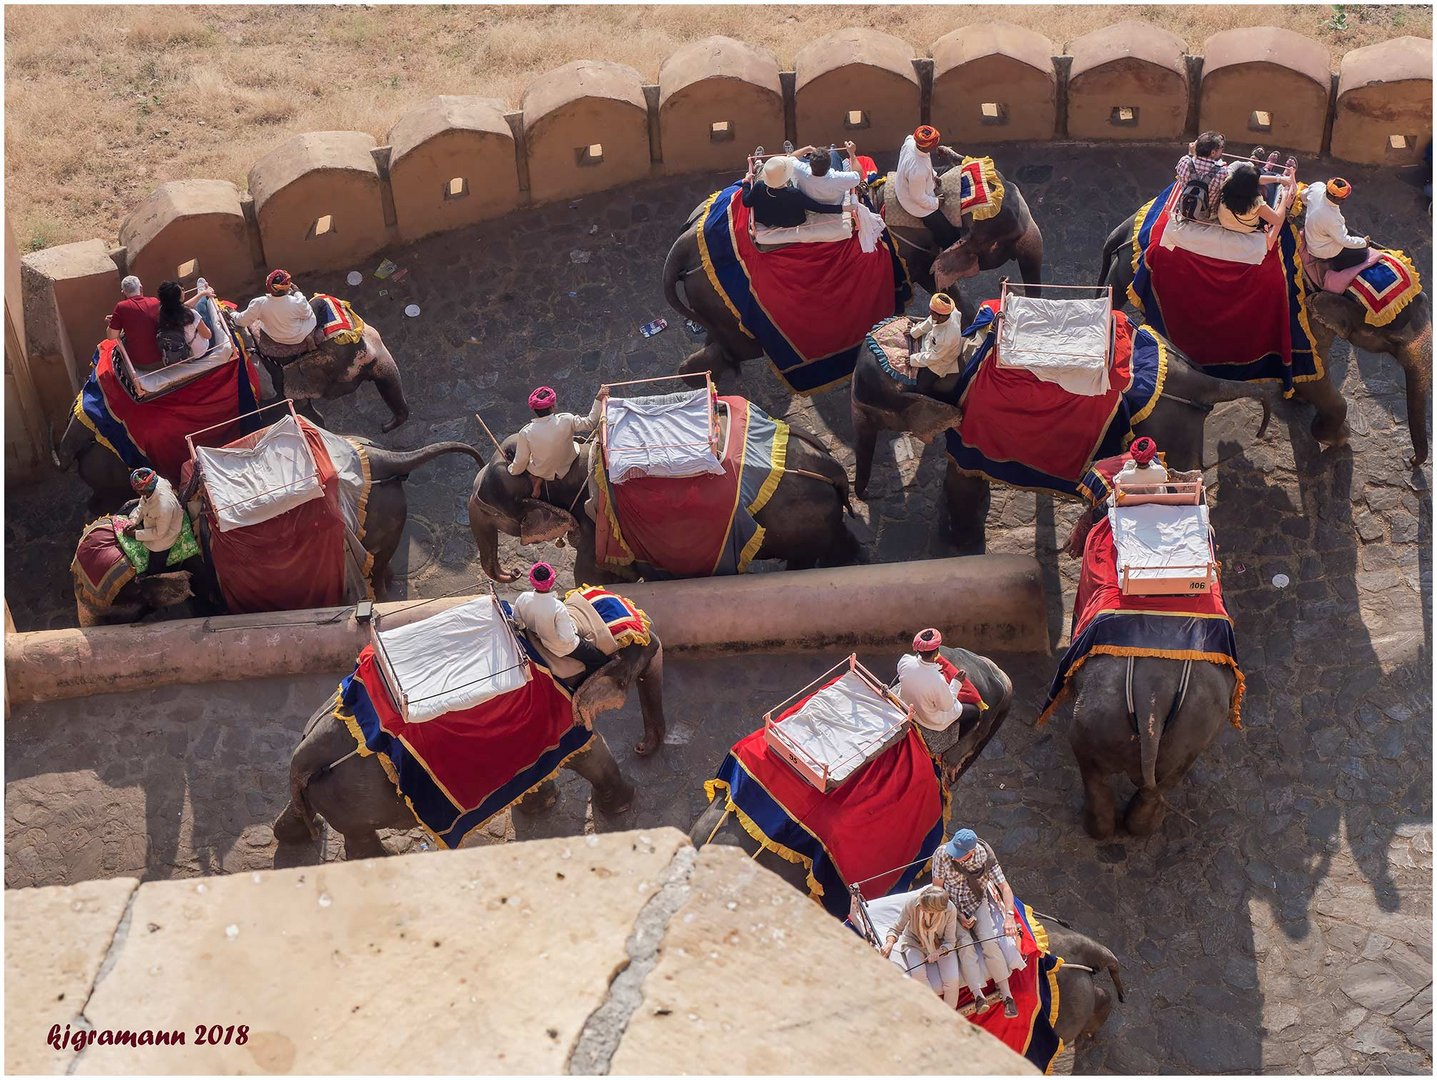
(1194, 196)
(174, 345)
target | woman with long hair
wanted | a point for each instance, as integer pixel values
(180, 324)
(1241, 206)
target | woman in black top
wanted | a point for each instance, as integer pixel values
(773, 202)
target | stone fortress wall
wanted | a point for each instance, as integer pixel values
(331, 199)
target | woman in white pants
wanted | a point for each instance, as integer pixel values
(925, 935)
(967, 870)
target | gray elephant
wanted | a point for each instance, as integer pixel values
(356, 798)
(1083, 1004)
(996, 689)
(1010, 234)
(803, 520)
(1407, 339)
(386, 514)
(878, 403)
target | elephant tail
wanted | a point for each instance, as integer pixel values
(298, 817)
(1149, 734)
(1109, 963)
(388, 464)
(674, 272)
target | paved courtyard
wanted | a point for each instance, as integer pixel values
(1280, 920)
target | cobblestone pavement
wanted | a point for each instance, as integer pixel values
(1281, 919)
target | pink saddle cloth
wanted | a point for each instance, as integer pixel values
(1335, 281)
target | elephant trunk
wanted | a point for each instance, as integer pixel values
(387, 464)
(486, 537)
(1219, 390)
(1416, 360)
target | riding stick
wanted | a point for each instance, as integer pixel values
(490, 434)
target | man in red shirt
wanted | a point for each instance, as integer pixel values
(138, 317)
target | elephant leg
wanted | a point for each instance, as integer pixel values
(381, 575)
(391, 389)
(362, 844)
(712, 357)
(968, 499)
(542, 798)
(1029, 252)
(865, 442)
(310, 411)
(1099, 809)
(1329, 426)
(612, 793)
(651, 703)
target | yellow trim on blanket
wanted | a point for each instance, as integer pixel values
(775, 474)
(1299, 277)
(627, 637)
(81, 578)
(1238, 690)
(351, 723)
(707, 260)
(1137, 255)
(606, 500)
(1143, 413)
(361, 514)
(995, 189)
(1397, 308)
(738, 476)
(77, 410)
(711, 787)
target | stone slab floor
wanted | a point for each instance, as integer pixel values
(1281, 919)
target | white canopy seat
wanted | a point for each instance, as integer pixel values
(156, 382)
(1214, 241)
(668, 435)
(1067, 342)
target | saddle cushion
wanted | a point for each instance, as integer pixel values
(1385, 287)
(972, 188)
(891, 347)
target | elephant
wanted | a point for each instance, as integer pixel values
(328, 372)
(1010, 234)
(878, 403)
(713, 825)
(332, 371)
(803, 520)
(355, 797)
(386, 513)
(1083, 1005)
(1407, 339)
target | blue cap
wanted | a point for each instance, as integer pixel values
(964, 841)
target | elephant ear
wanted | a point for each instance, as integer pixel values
(600, 693)
(539, 522)
(165, 590)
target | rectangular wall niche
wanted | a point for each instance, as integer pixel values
(1260, 120)
(1400, 143)
(456, 188)
(323, 226)
(721, 131)
(1123, 116)
(994, 112)
(188, 269)
(855, 120)
(593, 154)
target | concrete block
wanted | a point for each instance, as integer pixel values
(56, 941)
(993, 82)
(451, 164)
(193, 228)
(1128, 81)
(1384, 103)
(493, 957)
(586, 129)
(1266, 86)
(755, 978)
(859, 85)
(68, 294)
(718, 99)
(989, 602)
(317, 201)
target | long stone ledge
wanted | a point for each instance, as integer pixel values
(986, 602)
(616, 953)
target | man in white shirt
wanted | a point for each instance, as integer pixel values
(282, 320)
(1142, 469)
(544, 615)
(159, 517)
(814, 176)
(545, 447)
(941, 352)
(916, 185)
(922, 684)
(1325, 229)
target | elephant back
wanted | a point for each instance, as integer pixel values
(991, 681)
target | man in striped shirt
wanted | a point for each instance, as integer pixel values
(967, 868)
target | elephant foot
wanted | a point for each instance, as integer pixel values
(1100, 826)
(393, 423)
(541, 799)
(1145, 814)
(648, 744)
(291, 828)
(1330, 434)
(617, 800)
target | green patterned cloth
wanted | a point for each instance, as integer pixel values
(185, 546)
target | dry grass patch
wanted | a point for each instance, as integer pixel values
(104, 103)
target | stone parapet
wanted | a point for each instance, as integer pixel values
(1267, 86)
(1128, 81)
(718, 100)
(993, 82)
(1383, 113)
(526, 958)
(859, 85)
(188, 229)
